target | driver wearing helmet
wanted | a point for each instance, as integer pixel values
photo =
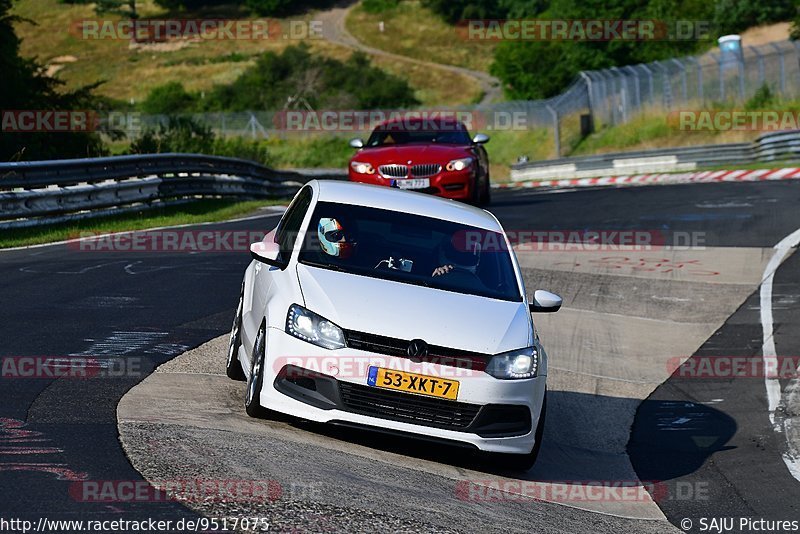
(334, 239)
(451, 258)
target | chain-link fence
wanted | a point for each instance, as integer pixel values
(619, 93)
(596, 98)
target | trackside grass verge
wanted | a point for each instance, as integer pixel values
(211, 210)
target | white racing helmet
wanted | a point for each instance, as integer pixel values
(333, 239)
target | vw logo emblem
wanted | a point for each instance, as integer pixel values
(417, 349)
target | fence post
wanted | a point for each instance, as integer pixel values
(741, 77)
(649, 82)
(781, 67)
(667, 97)
(556, 129)
(588, 80)
(684, 83)
(721, 77)
(761, 75)
(699, 78)
(636, 87)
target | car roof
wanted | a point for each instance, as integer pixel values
(390, 198)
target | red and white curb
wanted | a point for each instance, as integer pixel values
(756, 175)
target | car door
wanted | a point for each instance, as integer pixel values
(267, 279)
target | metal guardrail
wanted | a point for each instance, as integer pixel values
(777, 146)
(41, 192)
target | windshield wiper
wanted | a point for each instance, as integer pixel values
(331, 266)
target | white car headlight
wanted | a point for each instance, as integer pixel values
(459, 164)
(362, 167)
(308, 326)
(521, 363)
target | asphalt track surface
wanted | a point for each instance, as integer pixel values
(146, 308)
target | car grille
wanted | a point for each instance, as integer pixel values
(394, 171)
(399, 347)
(425, 170)
(407, 407)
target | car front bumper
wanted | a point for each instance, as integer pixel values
(457, 185)
(346, 370)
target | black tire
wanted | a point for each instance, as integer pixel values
(476, 193)
(255, 382)
(233, 367)
(524, 462)
(486, 192)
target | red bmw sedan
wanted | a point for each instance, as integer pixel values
(426, 155)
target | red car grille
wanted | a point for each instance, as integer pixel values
(394, 171)
(424, 170)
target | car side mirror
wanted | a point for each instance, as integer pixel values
(267, 252)
(357, 143)
(480, 139)
(545, 302)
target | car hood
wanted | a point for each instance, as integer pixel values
(405, 311)
(416, 153)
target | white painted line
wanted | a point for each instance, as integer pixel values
(769, 353)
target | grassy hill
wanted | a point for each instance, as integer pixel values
(131, 71)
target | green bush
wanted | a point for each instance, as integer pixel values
(762, 99)
(178, 134)
(296, 77)
(238, 147)
(168, 99)
(379, 6)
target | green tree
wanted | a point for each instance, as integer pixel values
(25, 87)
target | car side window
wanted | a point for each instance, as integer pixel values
(289, 227)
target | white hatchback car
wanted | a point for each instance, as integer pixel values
(395, 311)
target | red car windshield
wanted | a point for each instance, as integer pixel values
(391, 136)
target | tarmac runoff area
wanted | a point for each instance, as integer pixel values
(629, 318)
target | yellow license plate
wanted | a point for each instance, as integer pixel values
(430, 386)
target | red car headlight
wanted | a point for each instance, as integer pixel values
(361, 167)
(459, 164)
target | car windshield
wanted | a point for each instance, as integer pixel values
(410, 249)
(396, 136)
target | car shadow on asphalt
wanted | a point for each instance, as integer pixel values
(585, 441)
